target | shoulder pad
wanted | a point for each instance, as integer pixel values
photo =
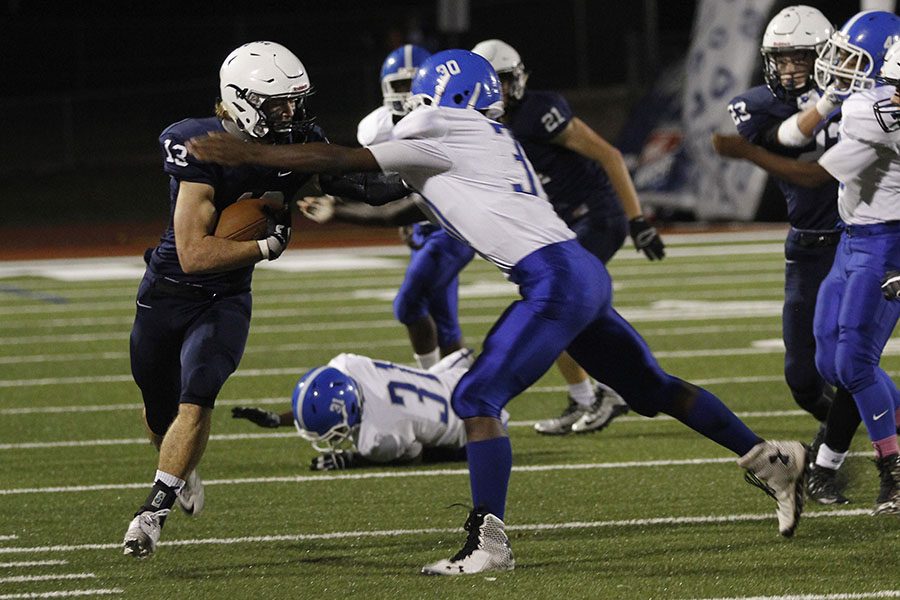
(375, 127)
(858, 118)
(424, 122)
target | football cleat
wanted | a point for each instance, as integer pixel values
(888, 502)
(562, 424)
(607, 407)
(824, 486)
(143, 533)
(817, 440)
(486, 549)
(780, 469)
(191, 498)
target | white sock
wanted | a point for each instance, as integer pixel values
(582, 392)
(829, 458)
(427, 360)
(170, 480)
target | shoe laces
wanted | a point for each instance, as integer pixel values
(571, 409)
(752, 479)
(473, 527)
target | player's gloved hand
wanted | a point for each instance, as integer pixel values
(332, 461)
(263, 418)
(831, 98)
(279, 235)
(317, 208)
(890, 285)
(646, 239)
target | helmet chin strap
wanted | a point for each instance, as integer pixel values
(232, 128)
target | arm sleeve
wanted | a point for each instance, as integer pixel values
(371, 188)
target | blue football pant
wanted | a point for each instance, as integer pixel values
(853, 323)
(430, 286)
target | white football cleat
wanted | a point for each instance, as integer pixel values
(487, 549)
(607, 407)
(562, 424)
(780, 469)
(191, 498)
(143, 533)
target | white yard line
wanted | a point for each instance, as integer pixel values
(8, 537)
(63, 594)
(628, 523)
(32, 563)
(27, 578)
(842, 596)
(392, 474)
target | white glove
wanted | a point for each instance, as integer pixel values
(830, 100)
(317, 208)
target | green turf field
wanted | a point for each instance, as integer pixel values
(645, 509)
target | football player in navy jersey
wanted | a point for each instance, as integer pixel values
(852, 320)
(427, 301)
(193, 304)
(476, 180)
(768, 115)
(591, 190)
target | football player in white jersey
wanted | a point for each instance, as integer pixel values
(357, 411)
(481, 187)
(853, 320)
(427, 300)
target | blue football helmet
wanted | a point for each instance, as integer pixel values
(397, 73)
(327, 407)
(853, 55)
(458, 79)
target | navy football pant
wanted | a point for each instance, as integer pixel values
(805, 268)
(431, 283)
(566, 304)
(853, 323)
(184, 348)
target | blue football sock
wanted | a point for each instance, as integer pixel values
(710, 417)
(490, 463)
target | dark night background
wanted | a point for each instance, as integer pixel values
(87, 87)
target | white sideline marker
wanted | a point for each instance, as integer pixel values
(29, 578)
(337, 535)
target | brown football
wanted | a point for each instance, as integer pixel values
(247, 219)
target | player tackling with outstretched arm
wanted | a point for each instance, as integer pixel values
(481, 187)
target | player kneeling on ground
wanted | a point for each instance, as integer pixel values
(360, 411)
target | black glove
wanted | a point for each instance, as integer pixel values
(332, 461)
(263, 418)
(278, 235)
(646, 239)
(890, 285)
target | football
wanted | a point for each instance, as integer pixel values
(247, 220)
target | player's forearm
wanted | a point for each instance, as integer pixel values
(210, 254)
(621, 181)
(805, 174)
(317, 157)
(394, 214)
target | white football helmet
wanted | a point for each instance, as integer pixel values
(506, 62)
(264, 87)
(794, 30)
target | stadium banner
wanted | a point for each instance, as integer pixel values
(666, 138)
(720, 63)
